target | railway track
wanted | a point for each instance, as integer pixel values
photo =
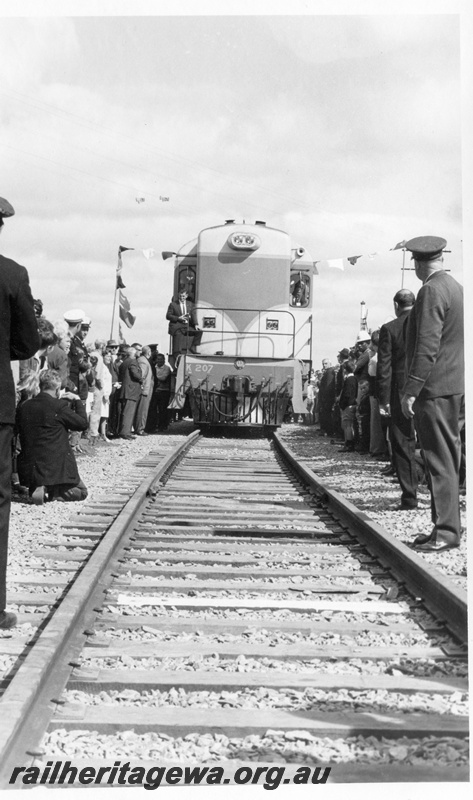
(238, 613)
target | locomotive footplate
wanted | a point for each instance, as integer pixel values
(239, 391)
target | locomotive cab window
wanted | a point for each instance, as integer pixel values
(299, 289)
(187, 279)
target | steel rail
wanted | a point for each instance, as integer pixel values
(446, 601)
(30, 699)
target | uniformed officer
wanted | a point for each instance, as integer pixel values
(434, 389)
(19, 340)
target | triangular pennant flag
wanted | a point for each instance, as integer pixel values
(120, 284)
(399, 245)
(353, 259)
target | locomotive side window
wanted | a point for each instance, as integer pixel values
(187, 280)
(299, 289)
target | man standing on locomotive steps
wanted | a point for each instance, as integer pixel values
(19, 339)
(434, 389)
(183, 327)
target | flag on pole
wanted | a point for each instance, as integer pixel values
(125, 310)
(399, 245)
(121, 338)
(120, 284)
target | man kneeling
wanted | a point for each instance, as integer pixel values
(46, 463)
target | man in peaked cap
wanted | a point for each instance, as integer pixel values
(20, 340)
(433, 393)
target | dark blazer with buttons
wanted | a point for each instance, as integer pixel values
(434, 340)
(391, 366)
(129, 375)
(19, 338)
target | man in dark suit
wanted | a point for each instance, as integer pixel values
(129, 375)
(390, 379)
(434, 391)
(46, 463)
(19, 339)
(183, 327)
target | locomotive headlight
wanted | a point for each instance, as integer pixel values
(243, 241)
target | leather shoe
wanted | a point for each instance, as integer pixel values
(7, 620)
(128, 437)
(406, 507)
(387, 471)
(435, 547)
(421, 539)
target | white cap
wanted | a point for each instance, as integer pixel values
(74, 316)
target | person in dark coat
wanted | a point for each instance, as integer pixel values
(390, 379)
(19, 340)
(183, 327)
(326, 398)
(434, 391)
(129, 376)
(46, 464)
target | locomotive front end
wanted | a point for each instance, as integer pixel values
(255, 343)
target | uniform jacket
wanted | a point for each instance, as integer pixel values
(434, 340)
(174, 312)
(46, 458)
(19, 338)
(129, 375)
(391, 369)
(78, 367)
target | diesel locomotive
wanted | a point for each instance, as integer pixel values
(252, 295)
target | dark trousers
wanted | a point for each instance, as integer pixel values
(185, 339)
(326, 419)
(127, 415)
(152, 419)
(438, 421)
(113, 413)
(6, 436)
(163, 411)
(403, 451)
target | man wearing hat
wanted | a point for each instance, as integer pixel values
(19, 340)
(434, 389)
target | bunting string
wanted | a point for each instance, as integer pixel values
(347, 261)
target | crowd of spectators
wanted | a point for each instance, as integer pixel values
(398, 395)
(73, 395)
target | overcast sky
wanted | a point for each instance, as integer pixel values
(343, 130)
